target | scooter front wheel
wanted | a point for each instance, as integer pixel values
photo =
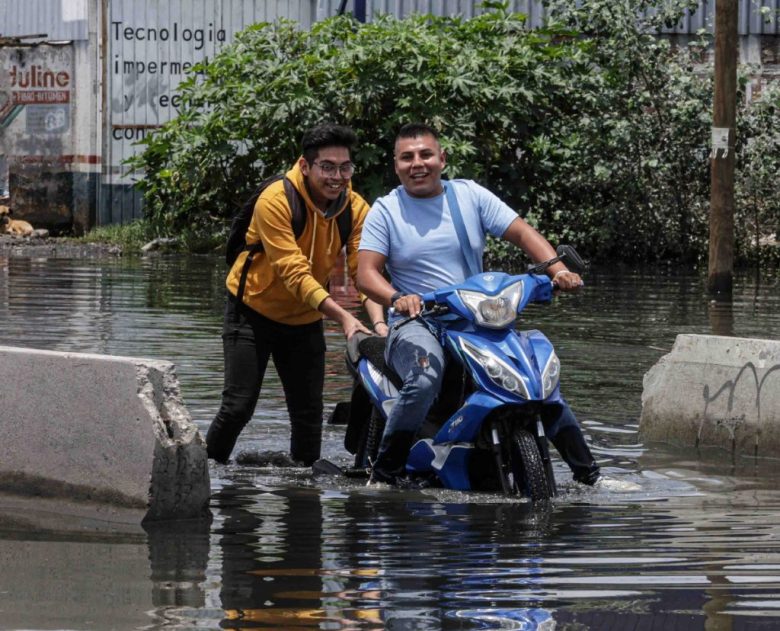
(529, 478)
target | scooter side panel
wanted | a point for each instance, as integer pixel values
(464, 425)
(448, 461)
(447, 454)
(379, 388)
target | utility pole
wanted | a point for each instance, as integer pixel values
(721, 248)
(359, 10)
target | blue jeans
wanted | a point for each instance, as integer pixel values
(418, 359)
(416, 356)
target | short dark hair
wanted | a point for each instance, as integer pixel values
(327, 135)
(415, 130)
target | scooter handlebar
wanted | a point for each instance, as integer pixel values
(557, 288)
(429, 309)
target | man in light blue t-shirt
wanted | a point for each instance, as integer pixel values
(410, 233)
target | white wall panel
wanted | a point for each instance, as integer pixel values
(151, 46)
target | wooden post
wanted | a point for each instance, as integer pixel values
(721, 248)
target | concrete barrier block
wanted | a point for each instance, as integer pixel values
(100, 429)
(715, 391)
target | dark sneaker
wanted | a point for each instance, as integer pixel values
(405, 482)
(268, 459)
(414, 482)
(380, 478)
(590, 476)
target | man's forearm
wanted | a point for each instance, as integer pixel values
(374, 311)
(331, 309)
(374, 285)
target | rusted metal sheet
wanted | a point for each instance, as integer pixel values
(37, 101)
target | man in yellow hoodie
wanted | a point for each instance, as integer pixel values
(285, 296)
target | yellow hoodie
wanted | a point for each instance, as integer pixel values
(286, 282)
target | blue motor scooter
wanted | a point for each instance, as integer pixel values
(492, 436)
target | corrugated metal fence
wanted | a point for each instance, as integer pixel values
(67, 19)
(751, 20)
(56, 19)
(151, 45)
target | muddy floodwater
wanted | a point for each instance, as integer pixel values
(685, 540)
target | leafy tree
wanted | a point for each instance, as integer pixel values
(757, 198)
(488, 83)
(593, 127)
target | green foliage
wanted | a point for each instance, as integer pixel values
(487, 82)
(625, 173)
(594, 128)
(130, 236)
(757, 215)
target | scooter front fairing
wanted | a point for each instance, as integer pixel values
(508, 369)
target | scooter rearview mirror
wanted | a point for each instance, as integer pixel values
(570, 257)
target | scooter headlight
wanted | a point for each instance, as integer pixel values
(494, 312)
(551, 375)
(499, 372)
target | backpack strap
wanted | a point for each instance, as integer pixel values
(344, 222)
(298, 213)
(297, 208)
(474, 266)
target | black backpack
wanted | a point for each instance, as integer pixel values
(236, 242)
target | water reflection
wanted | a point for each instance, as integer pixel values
(297, 557)
(722, 317)
(178, 558)
(695, 546)
(354, 559)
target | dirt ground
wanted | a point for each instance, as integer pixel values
(51, 247)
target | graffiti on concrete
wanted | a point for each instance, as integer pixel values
(719, 407)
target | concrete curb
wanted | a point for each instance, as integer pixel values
(100, 429)
(715, 391)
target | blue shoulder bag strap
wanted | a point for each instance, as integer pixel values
(474, 266)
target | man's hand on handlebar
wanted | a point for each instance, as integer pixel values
(410, 304)
(567, 281)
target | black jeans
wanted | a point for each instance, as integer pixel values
(298, 352)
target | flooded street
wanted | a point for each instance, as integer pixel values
(683, 543)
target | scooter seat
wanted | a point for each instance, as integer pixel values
(372, 348)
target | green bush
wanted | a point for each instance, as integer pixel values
(625, 175)
(757, 200)
(593, 127)
(130, 236)
(488, 83)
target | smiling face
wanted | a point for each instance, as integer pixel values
(419, 162)
(324, 188)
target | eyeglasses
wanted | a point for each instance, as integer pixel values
(330, 169)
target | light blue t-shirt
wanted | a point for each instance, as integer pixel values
(419, 239)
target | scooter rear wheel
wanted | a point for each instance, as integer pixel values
(370, 437)
(528, 472)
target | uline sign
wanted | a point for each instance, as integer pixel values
(38, 85)
(37, 77)
(42, 90)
